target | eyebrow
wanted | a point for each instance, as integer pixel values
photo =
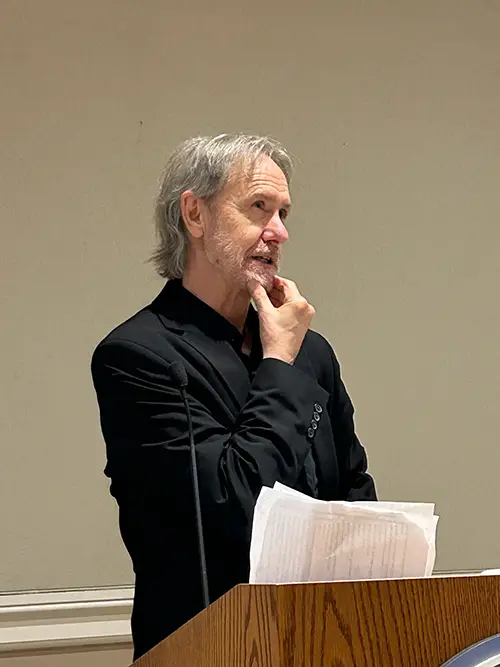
(263, 195)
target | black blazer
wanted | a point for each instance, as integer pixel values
(250, 430)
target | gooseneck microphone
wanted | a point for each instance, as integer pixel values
(180, 378)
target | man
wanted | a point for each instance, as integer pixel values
(266, 396)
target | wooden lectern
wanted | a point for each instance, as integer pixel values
(387, 623)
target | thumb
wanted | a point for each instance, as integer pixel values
(259, 295)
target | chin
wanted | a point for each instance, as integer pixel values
(264, 277)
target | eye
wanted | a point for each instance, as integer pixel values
(260, 204)
(284, 214)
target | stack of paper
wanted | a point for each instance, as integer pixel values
(300, 539)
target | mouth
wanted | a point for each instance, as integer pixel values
(264, 260)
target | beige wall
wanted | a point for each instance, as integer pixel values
(393, 109)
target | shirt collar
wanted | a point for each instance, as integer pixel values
(188, 309)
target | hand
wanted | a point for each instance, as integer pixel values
(284, 315)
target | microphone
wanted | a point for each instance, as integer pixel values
(180, 378)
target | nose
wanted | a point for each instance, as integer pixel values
(275, 230)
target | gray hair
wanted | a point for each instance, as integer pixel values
(203, 165)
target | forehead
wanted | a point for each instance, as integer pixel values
(264, 177)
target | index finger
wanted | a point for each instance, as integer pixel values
(289, 288)
(259, 295)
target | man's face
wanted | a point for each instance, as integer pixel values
(247, 227)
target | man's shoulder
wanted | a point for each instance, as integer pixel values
(318, 347)
(139, 328)
(147, 332)
(151, 326)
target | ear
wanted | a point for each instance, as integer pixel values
(193, 211)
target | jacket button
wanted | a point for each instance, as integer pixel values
(314, 425)
(318, 408)
(316, 417)
(310, 433)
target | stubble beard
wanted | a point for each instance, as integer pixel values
(234, 265)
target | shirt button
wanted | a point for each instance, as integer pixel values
(318, 408)
(310, 433)
(314, 425)
(316, 417)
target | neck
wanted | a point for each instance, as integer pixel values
(230, 302)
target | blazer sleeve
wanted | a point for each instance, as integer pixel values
(356, 482)
(145, 429)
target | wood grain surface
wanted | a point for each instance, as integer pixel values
(392, 623)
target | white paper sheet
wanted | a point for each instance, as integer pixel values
(296, 538)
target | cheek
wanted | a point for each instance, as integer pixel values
(243, 233)
(251, 242)
(252, 234)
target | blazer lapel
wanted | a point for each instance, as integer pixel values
(224, 361)
(183, 313)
